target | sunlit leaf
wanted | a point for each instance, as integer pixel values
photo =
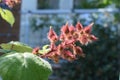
(6, 51)
(105, 1)
(23, 66)
(45, 47)
(7, 15)
(16, 46)
(44, 50)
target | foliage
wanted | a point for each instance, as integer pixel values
(95, 3)
(23, 66)
(23, 62)
(38, 22)
(5, 10)
(16, 46)
(20, 56)
(7, 15)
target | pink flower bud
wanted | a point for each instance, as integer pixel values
(11, 3)
(65, 29)
(79, 26)
(62, 37)
(93, 38)
(53, 47)
(35, 50)
(71, 29)
(52, 36)
(60, 48)
(76, 35)
(78, 51)
(67, 42)
(84, 39)
(88, 28)
(54, 56)
(68, 55)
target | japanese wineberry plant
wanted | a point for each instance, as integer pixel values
(22, 62)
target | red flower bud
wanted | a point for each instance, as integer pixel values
(62, 37)
(65, 29)
(84, 39)
(93, 38)
(54, 56)
(11, 3)
(68, 55)
(88, 28)
(71, 29)
(35, 50)
(60, 48)
(53, 47)
(67, 42)
(79, 26)
(78, 51)
(76, 35)
(52, 36)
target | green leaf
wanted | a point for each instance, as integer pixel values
(7, 15)
(24, 66)
(6, 51)
(44, 50)
(45, 47)
(16, 46)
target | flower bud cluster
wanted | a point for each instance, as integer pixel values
(11, 3)
(67, 48)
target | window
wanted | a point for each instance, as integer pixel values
(78, 4)
(48, 4)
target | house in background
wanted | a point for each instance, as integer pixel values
(22, 30)
(45, 7)
(27, 7)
